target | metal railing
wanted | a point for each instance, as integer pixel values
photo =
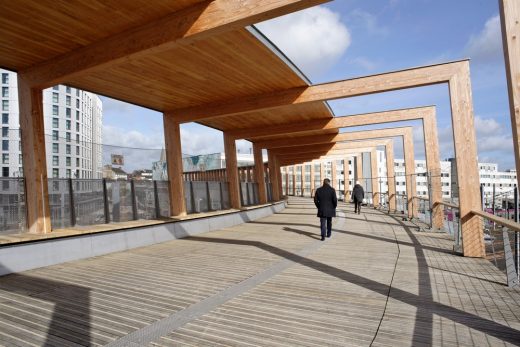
(249, 193)
(12, 205)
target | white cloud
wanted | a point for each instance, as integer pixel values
(487, 126)
(201, 141)
(487, 45)
(364, 63)
(369, 22)
(314, 39)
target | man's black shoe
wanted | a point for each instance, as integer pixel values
(328, 235)
(322, 238)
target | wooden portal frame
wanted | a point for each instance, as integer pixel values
(455, 74)
(369, 146)
(510, 20)
(293, 146)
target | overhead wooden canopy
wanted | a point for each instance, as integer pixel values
(160, 54)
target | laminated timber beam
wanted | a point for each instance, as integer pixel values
(403, 79)
(180, 28)
(510, 20)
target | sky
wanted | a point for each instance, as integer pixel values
(350, 38)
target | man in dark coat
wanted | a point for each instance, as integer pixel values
(358, 194)
(326, 201)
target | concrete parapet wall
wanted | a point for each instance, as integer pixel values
(26, 256)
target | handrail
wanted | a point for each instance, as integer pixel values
(502, 221)
(446, 204)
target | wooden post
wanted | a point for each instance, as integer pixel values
(390, 173)
(172, 139)
(273, 178)
(322, 172)
(468, 178)
(359, 168)
(294, 180)
(510, 19)
(346, 178)
(409, 167)
(374, 173)
(259, 174)
(334, 174)
(230, 150)
(312, 179)
(431, 144)
(34, 158)
(302, 179)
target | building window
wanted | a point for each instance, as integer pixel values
(77, 103)
(55, 123)
(67, 173)
(67, 161)
(67, 112)
(5, 78)
(5, 158)
(55, 135)
(55, 148)
(77, 115)
(77, 150)
(77, 161)
(77, 127)
(55, 98)
(20, 161)
(5, 172)
(55, 173)
(5, 92)
(77, 92)
(5, 145)
(5, 131)
(56, 88)
(5, 105)
(5, 118)
(77, 138)
(67, 90)
(55, 160)
(67, 125)
(67, 136)
(55, 110)
(67, 149)
(67, 100)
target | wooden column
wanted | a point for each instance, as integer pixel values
(294, 180)
(510, 19)
(409, 167)
(286, 181)
(359, 168)
(34, 158)
(374, 173)
(312, 179)
(172, 139)
(334, 174)
(259, 174)
(431, 144)
(273, 179)
(467, 165)
(302, 179)
(346, 178)
(390, 173)
(230, 150)
(322, 172)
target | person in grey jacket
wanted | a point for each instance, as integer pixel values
(326, 201)
(358, 194)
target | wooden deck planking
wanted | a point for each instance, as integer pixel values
(334, 296)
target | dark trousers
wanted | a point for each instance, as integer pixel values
(357, 206)
(326, 226)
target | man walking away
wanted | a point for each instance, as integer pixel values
(358, 193)
(326, 201)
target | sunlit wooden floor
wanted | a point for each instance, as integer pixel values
(377, 281)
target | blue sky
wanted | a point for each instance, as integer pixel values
(349, 38)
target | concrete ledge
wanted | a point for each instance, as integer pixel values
(31, 255)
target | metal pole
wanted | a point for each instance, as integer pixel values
(72, 209)
(482, 196)
(156, 200)
(105, 202)
(430, 193)
(134, 199)
(493, 204)
(208, 195)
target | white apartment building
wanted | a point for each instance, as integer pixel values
(504, 181)
(73, 131)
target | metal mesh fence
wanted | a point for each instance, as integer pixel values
(12, 205)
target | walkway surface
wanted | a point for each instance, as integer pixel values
(377, 281)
